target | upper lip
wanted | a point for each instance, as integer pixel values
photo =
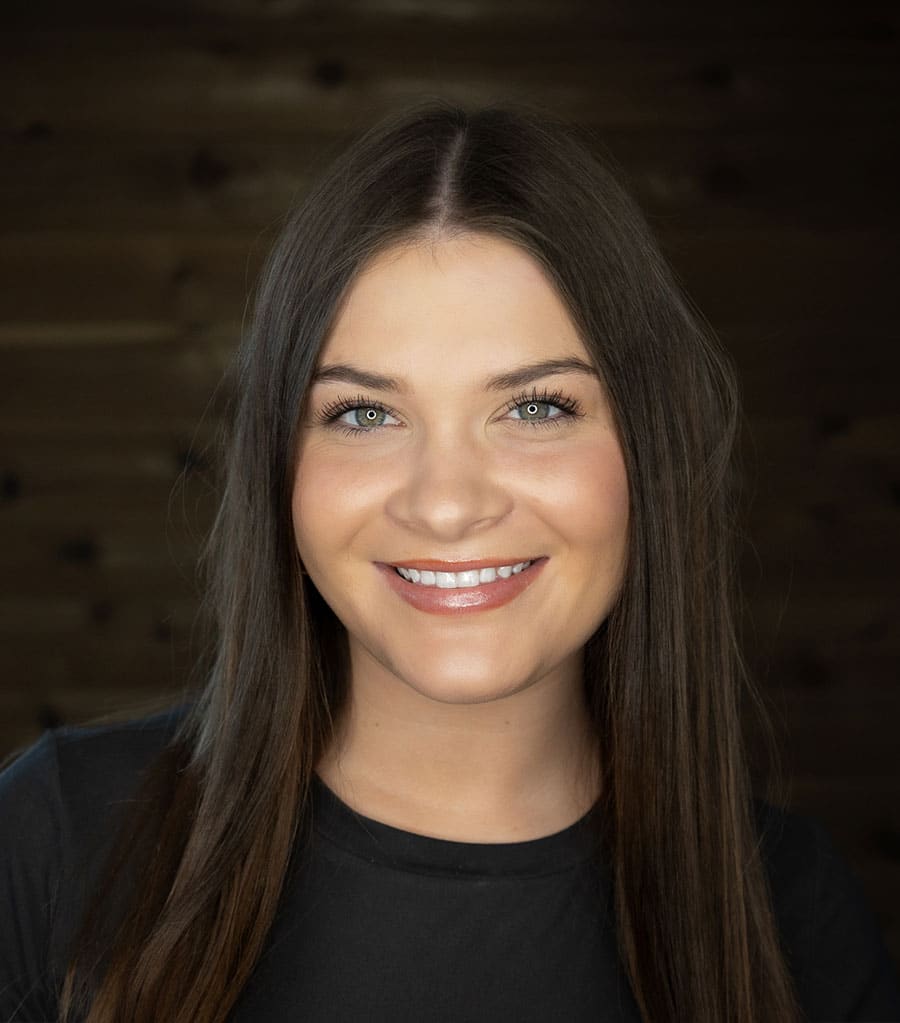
(430, 565)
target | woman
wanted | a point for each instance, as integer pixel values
(470, 746)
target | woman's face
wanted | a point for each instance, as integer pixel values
(456, 429)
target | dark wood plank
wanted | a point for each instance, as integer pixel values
(236, 84)
(652, 18)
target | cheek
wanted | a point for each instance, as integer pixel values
(309, 506)
(584, 490)
(333, 498)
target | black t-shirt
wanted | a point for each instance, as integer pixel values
(376, 923)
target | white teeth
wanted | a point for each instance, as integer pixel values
(461, 580)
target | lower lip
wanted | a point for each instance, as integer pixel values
(433, 600)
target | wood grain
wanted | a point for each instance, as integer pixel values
(148, 153)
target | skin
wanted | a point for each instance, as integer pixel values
(469, 727)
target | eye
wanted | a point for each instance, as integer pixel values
(533, 411)
(364, 417)
(353, 416)
(544, 409)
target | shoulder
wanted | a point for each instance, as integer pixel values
(105, 761)
(70, 782)
(129, 742)
(71, 773)
(60, 803)
(829, 933)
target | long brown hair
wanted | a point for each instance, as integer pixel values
(225, 806)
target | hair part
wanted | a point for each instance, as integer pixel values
(225, 808)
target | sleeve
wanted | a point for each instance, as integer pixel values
(31, 864)
(849, 974)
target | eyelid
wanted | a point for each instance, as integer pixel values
(330, 413)
(333, 410)
(570, 407)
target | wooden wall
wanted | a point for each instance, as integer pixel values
(149, 149)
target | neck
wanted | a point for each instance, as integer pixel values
(508, 770)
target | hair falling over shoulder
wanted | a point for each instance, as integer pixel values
(224, 809)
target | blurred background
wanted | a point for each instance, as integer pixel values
(149, 152)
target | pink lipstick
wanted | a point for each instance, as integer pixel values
(435, 587)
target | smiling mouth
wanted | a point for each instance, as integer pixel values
(461, 580)
(474, 587)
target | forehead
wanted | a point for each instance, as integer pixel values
(460, 299)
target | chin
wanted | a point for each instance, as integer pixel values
(458, 693)
(454, 686)
(445, 673)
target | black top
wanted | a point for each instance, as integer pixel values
(380, 924)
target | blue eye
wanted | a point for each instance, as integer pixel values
(363, 417)
(356, 416)
(535, 411)
(543, 409)
(360, 415)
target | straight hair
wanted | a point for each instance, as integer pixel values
(224, 809)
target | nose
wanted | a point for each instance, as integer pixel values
(448, 489)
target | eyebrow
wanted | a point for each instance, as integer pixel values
(342, 372)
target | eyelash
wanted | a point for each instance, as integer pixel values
(332, 412)
(569, 407)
